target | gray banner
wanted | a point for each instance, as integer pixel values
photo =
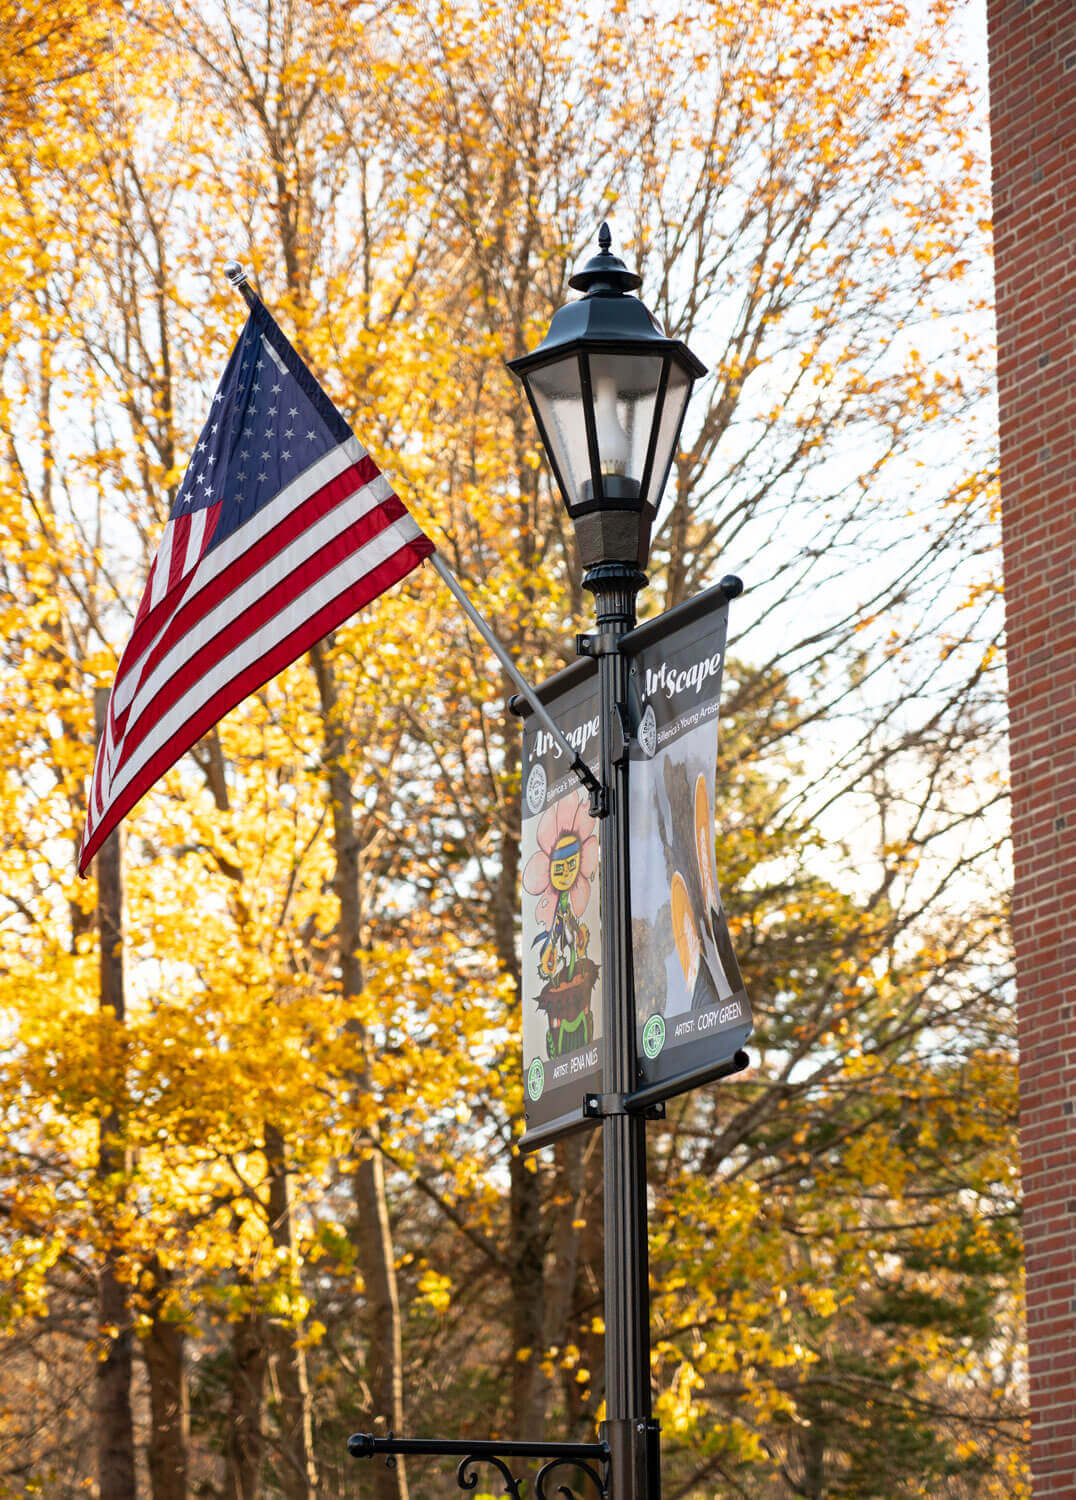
(691, 1010)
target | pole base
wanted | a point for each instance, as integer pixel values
(634, 1458)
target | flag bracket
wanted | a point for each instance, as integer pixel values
(599, 796)
(598, 806)
(623, 733)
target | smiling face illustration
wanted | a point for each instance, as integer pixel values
(564, 862)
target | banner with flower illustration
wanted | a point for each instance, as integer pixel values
(562, 1032)
(692, 1013)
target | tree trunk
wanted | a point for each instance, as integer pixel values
(296, 1475)
(245, 1449)
(587, 1298)
(526, 1285)
(813, 1451)
(115, 1425)
(384, 1359)
(164, 1355)
(372, 1234)
(564, 1196)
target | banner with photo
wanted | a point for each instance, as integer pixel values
(562, 1021)
(691, 1010)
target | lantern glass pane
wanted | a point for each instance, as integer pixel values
(625, 390)
(672, 413)
(557, 392)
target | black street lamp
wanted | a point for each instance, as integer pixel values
(609, 391)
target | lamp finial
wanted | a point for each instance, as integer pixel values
(605, 274)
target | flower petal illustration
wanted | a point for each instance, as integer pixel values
(550, 827)
(536, 875)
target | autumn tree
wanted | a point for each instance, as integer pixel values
(321, 1061)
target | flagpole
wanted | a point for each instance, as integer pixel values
(598, 799)
(575, 760)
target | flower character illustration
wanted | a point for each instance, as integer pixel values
(560, 873)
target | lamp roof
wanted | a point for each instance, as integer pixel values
(605, 318)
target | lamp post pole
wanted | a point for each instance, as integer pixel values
(629, 1429)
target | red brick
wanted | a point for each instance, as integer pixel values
(1033, 127)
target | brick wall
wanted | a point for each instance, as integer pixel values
(1033, 129)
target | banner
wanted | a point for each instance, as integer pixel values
(691, 1011)
(562, 1021)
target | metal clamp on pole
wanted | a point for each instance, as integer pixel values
(597, 643)
(598, 1106)
(640, 1100)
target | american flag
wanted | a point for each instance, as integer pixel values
(282, 528)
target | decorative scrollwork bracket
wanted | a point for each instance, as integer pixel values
(467, 1473)
(589, 1459)
(599, 1481)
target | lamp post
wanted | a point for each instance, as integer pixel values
(609, 391)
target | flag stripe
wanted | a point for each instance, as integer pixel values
(199, 522)
(179, 550)
(386, 559)
(274, 356)
(162, 565)
(248, 537)
(195, 646)
(253, 573)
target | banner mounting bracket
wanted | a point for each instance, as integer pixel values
(598, 1106)
(597, 643)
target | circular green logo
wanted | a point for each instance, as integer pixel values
(535, 1079)
(654, 1036)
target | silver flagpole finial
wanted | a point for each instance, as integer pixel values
(237, 275)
